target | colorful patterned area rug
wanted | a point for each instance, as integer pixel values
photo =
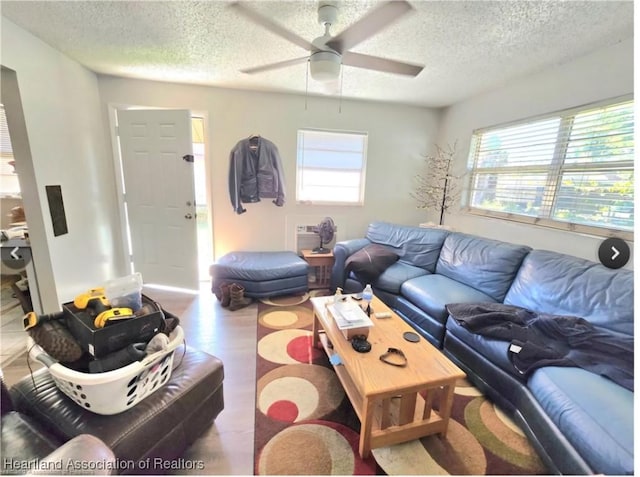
(305, 424)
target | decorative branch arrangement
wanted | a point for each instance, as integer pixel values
(437, 188)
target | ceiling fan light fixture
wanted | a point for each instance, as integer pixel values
(325, 65)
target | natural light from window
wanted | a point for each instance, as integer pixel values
(573, 170)
(331, 167)
(205, 249)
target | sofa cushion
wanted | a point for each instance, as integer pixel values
(418, 246)
(370, 261)
(593, 413)
(486, 265)
(432, 293)
(393, 277)
(559, 284)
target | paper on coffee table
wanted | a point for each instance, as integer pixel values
(349, 315)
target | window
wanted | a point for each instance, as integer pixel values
(331, 167)
(573, 170)
(9, 185)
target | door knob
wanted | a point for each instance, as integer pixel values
(188, 216)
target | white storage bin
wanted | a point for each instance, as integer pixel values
(114, 391)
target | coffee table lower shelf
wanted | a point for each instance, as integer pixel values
(396, 416)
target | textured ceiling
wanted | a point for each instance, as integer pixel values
(467, 47)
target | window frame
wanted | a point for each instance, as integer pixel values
(558, 166)
(363, 170)
(9, 182)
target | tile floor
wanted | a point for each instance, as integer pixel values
(14, 339)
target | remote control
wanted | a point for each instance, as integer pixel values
(382, 314)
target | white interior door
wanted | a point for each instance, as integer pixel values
(160, 195)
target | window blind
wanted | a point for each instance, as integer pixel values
(9, 184)
(574, 168)
(331, 166)
(5, 142)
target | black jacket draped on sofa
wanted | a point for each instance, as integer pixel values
(540, 339)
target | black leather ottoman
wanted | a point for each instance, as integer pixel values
(262, 274)
(147, 436)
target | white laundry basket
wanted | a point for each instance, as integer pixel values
(114, 391)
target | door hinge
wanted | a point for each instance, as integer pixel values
(117, 130)
(188, 158)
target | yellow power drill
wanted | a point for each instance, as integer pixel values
(113, 316)
(32, 319)
(93, 301)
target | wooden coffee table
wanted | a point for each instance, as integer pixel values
(394, 404)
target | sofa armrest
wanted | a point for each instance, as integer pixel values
(342, 251)
(84, 454)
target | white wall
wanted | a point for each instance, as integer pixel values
(606, 73)
(398, 137)
(69, 148)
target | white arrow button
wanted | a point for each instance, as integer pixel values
(14, 254)
(615, 253)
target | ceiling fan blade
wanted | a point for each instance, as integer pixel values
(369, 25)
(380, 64)
(274, 66)
(270, 25)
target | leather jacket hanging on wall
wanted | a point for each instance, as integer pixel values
(255, 173)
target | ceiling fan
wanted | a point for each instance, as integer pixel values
(328, 53)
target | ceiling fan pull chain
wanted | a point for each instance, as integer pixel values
(306, 88)
(341, 79)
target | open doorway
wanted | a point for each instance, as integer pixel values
(15, 298)
(41, 283)
(13, 219)
(203, 211)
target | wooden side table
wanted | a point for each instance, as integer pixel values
(322, 263)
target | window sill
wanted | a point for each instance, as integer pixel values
(553, 224)
(324, 203)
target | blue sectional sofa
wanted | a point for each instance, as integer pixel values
(579, 421)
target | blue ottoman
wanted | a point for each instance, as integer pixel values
(262, 274)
